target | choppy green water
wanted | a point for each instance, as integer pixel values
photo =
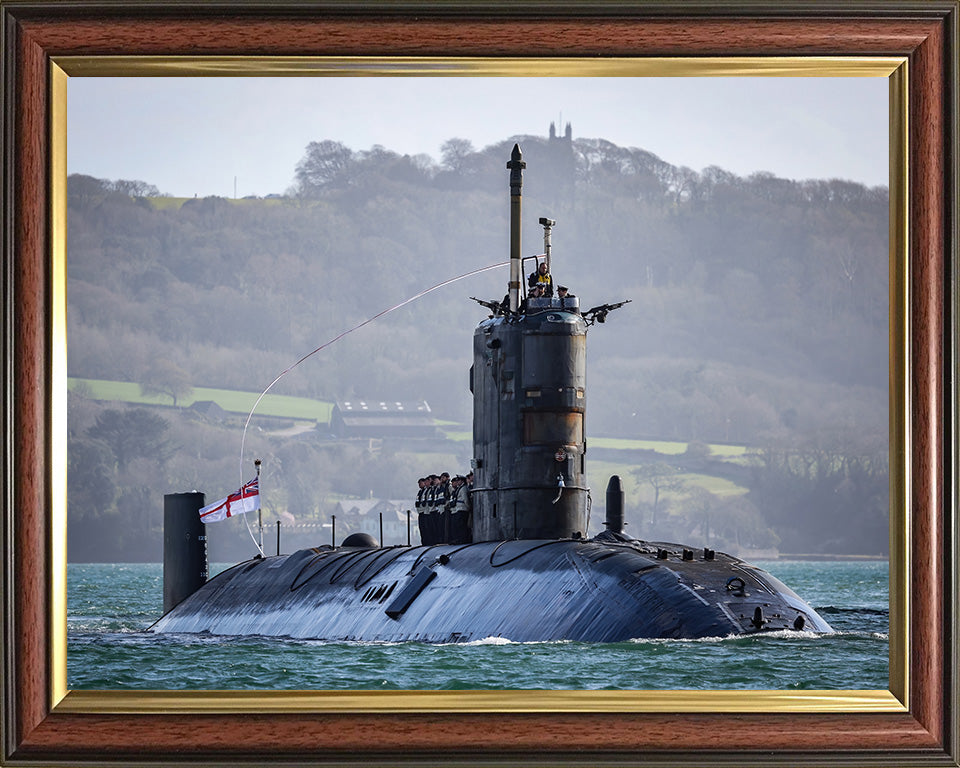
(109, 606)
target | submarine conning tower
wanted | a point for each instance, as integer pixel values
(529, 404)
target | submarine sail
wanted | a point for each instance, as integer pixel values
(524, 569)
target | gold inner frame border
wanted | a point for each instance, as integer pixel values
(895, 699)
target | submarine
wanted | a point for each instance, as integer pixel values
(523, 569)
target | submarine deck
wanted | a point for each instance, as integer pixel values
(597, 590)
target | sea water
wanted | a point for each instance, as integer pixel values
(109, 607)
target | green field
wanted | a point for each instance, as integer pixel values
(306, 409)
(168, 203)
(665, 447)
(662, 446)
(309, 410)
(599, 473)
(281, 406)
(175, 203)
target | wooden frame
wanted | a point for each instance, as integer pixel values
(37, 730)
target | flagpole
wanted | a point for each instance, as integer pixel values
(257, 463)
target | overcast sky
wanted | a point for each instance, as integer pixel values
(200, 136)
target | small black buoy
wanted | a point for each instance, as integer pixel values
(360, 541)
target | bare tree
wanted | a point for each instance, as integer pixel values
(324, 163)
(166, 378)
(662, 478)
(135, 188)
(454, 153)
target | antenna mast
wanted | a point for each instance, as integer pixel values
(516, 166)
(257, 463)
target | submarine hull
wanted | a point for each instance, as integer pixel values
(518, 590)
(530, 575)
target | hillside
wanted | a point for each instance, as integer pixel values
(758, 314)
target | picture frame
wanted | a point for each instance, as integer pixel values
(916, 721)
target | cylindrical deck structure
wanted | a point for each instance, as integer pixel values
(184, 547)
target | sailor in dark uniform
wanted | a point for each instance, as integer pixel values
(421, 505)
(421, 492)
(442, 516)
(459, 505)
(427, 511)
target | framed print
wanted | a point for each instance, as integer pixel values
(916, 720)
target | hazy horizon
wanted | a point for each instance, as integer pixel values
(244, 136)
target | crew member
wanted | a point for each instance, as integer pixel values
(421, 492)
(429, 498)
(535, 293)
(423, 509)
(442, 517)
(541, 277)
(459, 504)
(428, 516)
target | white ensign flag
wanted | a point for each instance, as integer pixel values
(247, 499)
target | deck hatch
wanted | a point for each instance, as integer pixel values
(409, 593)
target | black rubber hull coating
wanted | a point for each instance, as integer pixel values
(601, 590)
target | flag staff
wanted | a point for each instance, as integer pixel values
(257, 463)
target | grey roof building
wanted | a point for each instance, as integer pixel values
(209, 409)
(381, 418)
